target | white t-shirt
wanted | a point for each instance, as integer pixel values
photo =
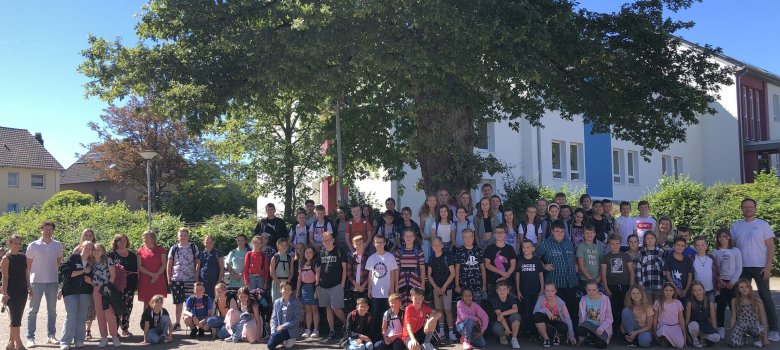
(530, 234)
(44, 257)
(444, 231)
(750, 238)
(643, 225)
(381, 267)
(625, 226)
(702, 267)
(393, 322)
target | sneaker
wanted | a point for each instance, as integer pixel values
(503, 340)
(30, 343)
(556, 340)
(515, 344)
(116, 342)
(103, 342)
(305, 334)
(697, 343)
(774, 336)
(314, 334)
(758, 344)
(64, 347)
(466, 343)
(201, 333)
(722, 332)
(546, 343)
(52, 340)
(453, 337)
(165, 339)
(631, 344)
(289, 343)
(176, 327)
(332, 335)
(193, 333)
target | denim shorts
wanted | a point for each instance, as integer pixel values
(307, 294)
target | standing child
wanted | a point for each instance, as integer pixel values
(600, 222)
(419, 323)
(595, 316)
(472, 321)
(359, 326)
(299, 233)
(649, 268)
(357, 226)
(577, 229)
(427, 218)
(729, 260)
(280, 267)
(306, 292)
(156, 322)
(103, 274)
(357, 275)
(441, 273)
(552, 318)
(470, 267)
(256, 266)
(624, 224)
(461, 223)
(318, 228)
(443, 227)
(382, 280)
(617, 277)
(528, 282)
(512, 226)
(392, 327)
(507, 318)
(500, 260)
(210, 265)
(669, 319)
(633, 247)
(748, 317)
(705, 269)
(411, 264)
(531, 226)
(388, 230)
(700, 317)
(678, 269)
(406, 223)
(589, 255)
(644, 222)
(197, 309)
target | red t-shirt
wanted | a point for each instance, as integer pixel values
(416, 318)
(358, 227)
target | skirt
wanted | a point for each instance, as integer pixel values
(307, 294)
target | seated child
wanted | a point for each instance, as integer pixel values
(595, 316)
(286, 316)
(507, 318)
(156, 323)
(358, 326)
(472, 321)
(392, 328)
(419, 322)
(197, 310)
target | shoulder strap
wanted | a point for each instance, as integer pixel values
(194, 250)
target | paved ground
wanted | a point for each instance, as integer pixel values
(181, 340)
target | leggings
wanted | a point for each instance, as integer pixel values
(553, 326)
(724, 300)
(586, 333)
(123, 320)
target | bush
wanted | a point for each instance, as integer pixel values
(520, 193)
(572, 195)
(680, 199)
(225, 228)
(67, 198)
(196, 201)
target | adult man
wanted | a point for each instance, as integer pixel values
(182, 258)
(273, 225)
(44, 257)
(331, 267)
(756, 241)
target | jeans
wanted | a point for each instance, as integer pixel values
(217, 325)
(618, 295)
(630, 324)
(466, 329)
(378, 308)
(160, 332)
(39, 290)
(355, 345)
(256, 281)
(239, 326)
(76, 306)
(277, 338)
(723, 300)
(764, 293)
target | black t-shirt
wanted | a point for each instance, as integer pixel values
(130, 262)
(617, 268)
(679, 269)
(441, 269)
(275, 227)
(500, 258)
(529, 270)
(330, 266)
(602, 228)
(152, 318)
(503, 305)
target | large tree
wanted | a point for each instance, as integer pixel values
(422, 76)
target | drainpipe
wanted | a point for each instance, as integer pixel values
(740, 141)
(539, 154)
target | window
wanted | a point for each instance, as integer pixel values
(13, 179)
(753, 113)
(671, 166)
(677, 166)
(12, 208)
(632, 165)
(617, 165)
(100, 196)
(557, 160)
(484, 139)
(575, 161)
(38, 181)
(776, 106)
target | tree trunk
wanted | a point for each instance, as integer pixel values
(289, 167)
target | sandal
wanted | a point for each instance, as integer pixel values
(126, 333)
(89, 334)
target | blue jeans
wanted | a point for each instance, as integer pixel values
(277, 338)
(39, 290)
(354, 345)
(217, 324)
(239, 326)
(629, 325)
(76, 306)
(160, 332)
(466, 329)
(256, 282)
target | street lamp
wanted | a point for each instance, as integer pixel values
(148, 155)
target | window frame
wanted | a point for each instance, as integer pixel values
(677, 166)
(618, 155)
(561, 171)
(578, 161)
(632, 165)
(32, 181)
(16, 173)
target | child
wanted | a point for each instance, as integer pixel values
(512, 226)
(156, 323)
(318, 228)
(358, 226)
(644, 222)
(306, 286)
(617, 276)
(649, 268)
(600, 222)
(577, 229)
(507, 319)
(388, 230)
(637, 319)
(669, 319)
(280, 267)
(747, 317)
(443, 227)
(472, 321)
(633, 247)
(500, 260)
(357, 275)
(358, 327)
(705, 269)
(210, 265)
(552, 318)
(244, 322)
(392, 329)
(700, 317)
(406, 223)
(441, 273)
(528, 282)
(679, 270)
(419, 322)
(462, 223)
(729, 260)
(256, 266)
(224, 301)
(299, 233)
(595, 316)
(470, 267)
(624, 224)
(285, 318)
(198, 308)
(685, 233)
(411, 265)
(589, 254)
(331, 269)
(383, 278)
(531, 225)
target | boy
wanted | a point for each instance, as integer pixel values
(625, 224)
(358, 226)
(507, 319)
(182, 259)
(419, 323)
(382, 281)
(500, 259)
(357, 275)
(470, 267)
(441, 273)
(286, 316)
(706, 269)
(685, 233)
(198, 310)
(318, 228)
(156, 323)
(387, 229)
(560, 199)
(679, 270)
(331, 276)
(529, 282)
(391, 324)
(600, 222)
(589, 254)
(359, 326)
(644, 222)
(617, 277)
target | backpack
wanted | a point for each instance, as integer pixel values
(120, 277)
(192, 247)
(289, 260)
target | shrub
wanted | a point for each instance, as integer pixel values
(680, 199)
(520, 193)
(67, 198)
(225, 228)
(572, 194)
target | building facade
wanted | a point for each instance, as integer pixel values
(29, 174)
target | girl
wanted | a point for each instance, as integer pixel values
(122, 255)
(665, 233)
(368, 213)
(472, 321)
(76, 273)
(152, 260)
(552, 318)
(281, 268)
(553, 215)
(87, 235)
(729, 261)
(427, 218)
(256, 266)
(638, 318)
(532, 228)
(747, 316)
(13, 268)
(577, 229)
(495, 208)
(244, 321)
(156, 322)
(443, 227)
(406, 224)
(649, 268)
(297, 257)
(700, 317)
(411, 264)
(585, 203)
(467, 203)
(705, 269)
(669, 319)
(595, 316)
(223, 302)
(299, 233)
(633, 246)
(234, 263)
(461, 223)
(306, 280)
(512, 230)
(103, 273)
(211, 265)
(484, 223)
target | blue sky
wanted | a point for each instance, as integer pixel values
(40, 42)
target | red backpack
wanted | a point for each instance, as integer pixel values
(120, 277)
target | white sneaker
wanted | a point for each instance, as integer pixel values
(289, 343)
(315, 334)
(117, 343)
(31, 343)
(305, 334)
(53, 340)
(453, 337)
(697, 343)
(758, 344)
(103, 342)
(722, 332)
(503, 340)
(774, 336)
(515, 344)
(64, 347)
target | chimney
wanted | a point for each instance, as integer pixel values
(39, 137)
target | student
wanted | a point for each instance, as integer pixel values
(245, 321)
(705, 269)
(340, 229)
(234, 263)
(103, 275)
(595, 316)
(299, 233)
(617, 277)
(512, 226)
(500, 260)
(382, 280)
(507, 317)
(600, 222)
(411, 267)
(700, 317)
(210, 265)
(589, 254)
(280, 268)
(390, 206)
(678, 269)
(553, 215)
(472, 321)
(531, 226)
(224, 301)
(76, 272)
(331, 269)
(637, 318)
(644, 222)
(198, 308)
(15, 290)
(466, 202)
(274, 226)
(462, 223)
(470, 267)
(357, 275)
(496, 208)
(665, 233)
(441, 273)
(729, 260)
(319, 227)
(156, 322)
(649, 267)
(586, 203)
(566, 213)
(577, 228)
(748, 316)
(633, 247)
(285, 318)
(182, 273)
(684, 233)
(528, 282)
(558, 255)
(311, 216)
(307, 280)
(552, 318)
(541, 208)
(256, 266)
(359, 326)
(624, 224)
(419, 323)
(387, 230)
(443, 227)
(427, 218)
(560, 199)
(392, 327)
(669, 319)
(406, 223)
(484, 223)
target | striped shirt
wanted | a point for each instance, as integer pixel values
(561, 255)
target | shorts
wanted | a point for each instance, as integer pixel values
(331, 297)
(443, 302)
(181, 290)
(307, 294)
(419, 335)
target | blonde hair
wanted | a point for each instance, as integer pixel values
(394, 296)
(155, 299)
(643, 303)
(754, 302)
(151, 235)
(104, 257)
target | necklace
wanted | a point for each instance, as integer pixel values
(702, 261)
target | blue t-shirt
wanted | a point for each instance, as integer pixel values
(199, 307)
(593, 309)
